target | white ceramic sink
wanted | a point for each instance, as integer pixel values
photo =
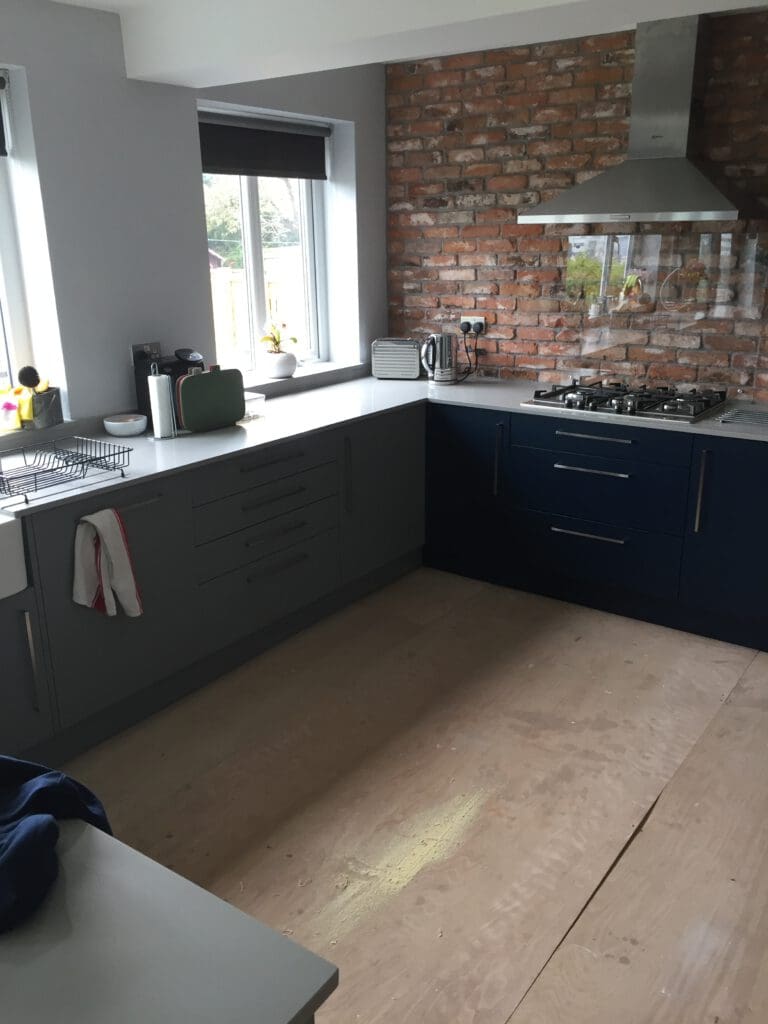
(13, 567)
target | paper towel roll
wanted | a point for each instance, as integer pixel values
(161, 405)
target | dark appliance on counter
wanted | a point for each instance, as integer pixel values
(660, 403)
(178, 365)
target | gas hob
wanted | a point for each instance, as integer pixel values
(664, 403)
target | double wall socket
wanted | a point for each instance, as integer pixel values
(473, 319)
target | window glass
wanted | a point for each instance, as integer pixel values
(226, 261)
(262, 261)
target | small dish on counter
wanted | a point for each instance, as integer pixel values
(126, 424)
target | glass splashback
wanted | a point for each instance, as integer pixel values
(677, 308)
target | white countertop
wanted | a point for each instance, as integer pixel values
(123, 940)
(308, 411)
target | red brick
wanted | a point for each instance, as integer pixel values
(484, 171)
(582, 94)
(507, 181)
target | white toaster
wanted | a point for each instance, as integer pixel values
(396, 358)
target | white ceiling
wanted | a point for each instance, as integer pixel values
(199, 43)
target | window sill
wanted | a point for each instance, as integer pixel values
(306, 378)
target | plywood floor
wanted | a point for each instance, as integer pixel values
(442, 788)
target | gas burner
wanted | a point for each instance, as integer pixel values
(618, 399)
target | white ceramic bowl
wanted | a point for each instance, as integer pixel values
(126, 424)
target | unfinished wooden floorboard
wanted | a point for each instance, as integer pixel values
(679, 932)
(426, 789)
(752, 689)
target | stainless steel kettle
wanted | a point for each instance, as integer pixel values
(439, 358)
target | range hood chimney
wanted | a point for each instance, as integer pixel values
(657, 181)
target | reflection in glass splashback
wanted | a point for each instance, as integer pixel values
(721, 275)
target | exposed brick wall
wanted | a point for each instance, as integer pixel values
(474, 137)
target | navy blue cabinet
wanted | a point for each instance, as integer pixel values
(724, 581)
(465, 490)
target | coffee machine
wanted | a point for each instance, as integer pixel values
(175, 366)
(439, 357)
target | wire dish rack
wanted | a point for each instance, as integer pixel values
(25, 471)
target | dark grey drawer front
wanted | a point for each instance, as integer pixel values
(616, 439)
(259, 594)
(233, 476)
(222, 556)
(640, 495)
(258, 504)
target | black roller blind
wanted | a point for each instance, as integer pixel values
(241, 149)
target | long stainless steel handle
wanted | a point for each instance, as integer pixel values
(140, 504)
(592, 472)
(497, 459)
(700, 495)
(254, 467)
(594, 437)
(271, 501)
(348, 502)
(273, 570)
(33, 663)
(291, 528)
(588, 536)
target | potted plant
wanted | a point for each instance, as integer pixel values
(281, 364)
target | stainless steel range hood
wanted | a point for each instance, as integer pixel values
(657, 181)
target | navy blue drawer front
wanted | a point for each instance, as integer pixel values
(561, 547)
(639, 495)
(615, 440)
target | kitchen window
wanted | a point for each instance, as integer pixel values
(263, 186)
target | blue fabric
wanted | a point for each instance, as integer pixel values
(32, 798)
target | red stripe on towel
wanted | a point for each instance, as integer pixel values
(121, 524)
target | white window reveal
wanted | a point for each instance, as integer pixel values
(15, 349)
(264, 191)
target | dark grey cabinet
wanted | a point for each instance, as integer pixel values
(96, 660)
(26, 712)
(383, 490)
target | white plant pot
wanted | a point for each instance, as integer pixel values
(281, 365)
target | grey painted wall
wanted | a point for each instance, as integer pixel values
(119, 170)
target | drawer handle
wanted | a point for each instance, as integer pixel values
(271, 501)
(276, 533)
(497, 458)
(587, 536)
(592, 472)
(700, 493)
(271, 462)
(348, 476)
(593, 437)
(273, 570)
(140, 504)
(35, 672)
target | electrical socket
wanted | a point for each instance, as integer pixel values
(473, 319)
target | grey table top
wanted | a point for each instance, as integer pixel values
(122, 940)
